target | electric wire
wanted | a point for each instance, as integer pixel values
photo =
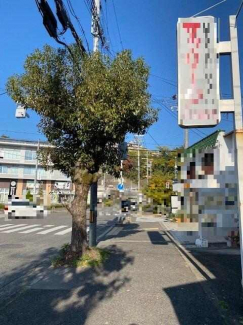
(71, 9)
(239, 10)
(118, 28)
(174, 116)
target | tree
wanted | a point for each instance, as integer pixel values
(163, 171)
(157, 188)
(86, 105)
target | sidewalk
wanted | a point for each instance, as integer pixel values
(146, 281)
(221, 268)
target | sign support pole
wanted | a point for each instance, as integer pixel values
(238, 127)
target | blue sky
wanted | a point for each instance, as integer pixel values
(147, 27)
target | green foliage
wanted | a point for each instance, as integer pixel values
(86, 108)
(2, 206)
(29, 196)
(157, 188)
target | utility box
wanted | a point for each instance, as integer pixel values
(20, 112)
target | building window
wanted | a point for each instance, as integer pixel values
(41, 171)
(30, 155)
(29, 170)
(208, 164)
(3, 169)
(13, 170)
(11, 154)
(191, 172)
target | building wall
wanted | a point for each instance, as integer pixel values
(18, 162)
(210, 199)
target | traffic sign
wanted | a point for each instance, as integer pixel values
(120, 187)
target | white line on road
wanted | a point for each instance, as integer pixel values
(8, 224)
(50, 230)
(63, 232)
(19, 228)
(31, 230)
(47, 226)
(10, 227)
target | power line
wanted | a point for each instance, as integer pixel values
(171, 113)
(153, 139)
(11, 131)
(114, 8)
(216, 4)
(239, 10)
(70, 6)
(167, 81)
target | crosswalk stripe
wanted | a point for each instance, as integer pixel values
(30, 230)
(47, 226)
(10, 227)
(63, 232)
(8, 224)
(18, 229)
(50, 230)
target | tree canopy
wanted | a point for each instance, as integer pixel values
(86, 106)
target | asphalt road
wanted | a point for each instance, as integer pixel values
(24, 241)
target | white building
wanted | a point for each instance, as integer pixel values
(207, 186)
(18, 163)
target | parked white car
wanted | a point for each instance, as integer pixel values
(20, 208)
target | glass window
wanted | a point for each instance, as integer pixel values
(20, 203)
(30, 155)
(11, 154)
(14, 170)
(41, 171)
(29, 170)
(3, 169)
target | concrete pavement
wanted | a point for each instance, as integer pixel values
(145, 282)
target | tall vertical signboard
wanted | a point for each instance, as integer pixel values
(198, 72)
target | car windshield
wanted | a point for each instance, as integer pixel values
(20, 203)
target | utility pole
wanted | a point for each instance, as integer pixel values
(36, 167)
(186, 138)
(147, 167)
(94, 186)
(138, 166)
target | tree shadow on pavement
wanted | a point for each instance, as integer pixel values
(222, 285)
(63, 295)
(192, 306)
(158, 237)
(226, 285)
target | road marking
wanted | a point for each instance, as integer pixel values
(50, 230)
(47, 226)
(8, 224)
(10, 227)
(19, 228)
(63, 232)
(31, 230)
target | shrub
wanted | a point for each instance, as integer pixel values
(29, 196)
(108, 202)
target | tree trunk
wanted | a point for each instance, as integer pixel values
(78, 208)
